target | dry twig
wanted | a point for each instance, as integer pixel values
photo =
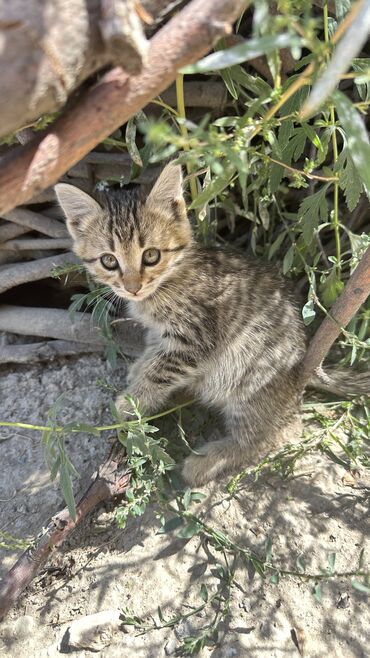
(110, 481)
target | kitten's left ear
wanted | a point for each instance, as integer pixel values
(78, 208)
(168, 186)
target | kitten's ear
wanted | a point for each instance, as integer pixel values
(168, 186)
(78, 207)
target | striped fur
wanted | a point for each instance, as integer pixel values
(219, 324)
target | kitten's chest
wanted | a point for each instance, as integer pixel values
(157, 322)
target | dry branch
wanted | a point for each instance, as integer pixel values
(14, 275)
(49, 323)
(8, 231)
(45, 351)
(28, 169)
(39, 72)
(110, 481)
(57, 323)
(37, 222)
(354, 295)
(36, 243)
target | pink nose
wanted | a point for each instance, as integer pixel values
(132, 285)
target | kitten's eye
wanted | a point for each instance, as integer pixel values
(151, 256)
(109, 261)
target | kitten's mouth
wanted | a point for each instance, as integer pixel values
(141, 294)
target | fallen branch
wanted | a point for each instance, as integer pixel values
(37, 222)
(354, 295)
(56, 323)
(35, 270)
(39, 72)
(49, 323)
(28, 169)
(8, 231)
(45, 351)
(36, 243)
(110, 481)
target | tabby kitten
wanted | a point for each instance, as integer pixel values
(219, 324)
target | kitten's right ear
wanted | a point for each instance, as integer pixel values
(78, 207)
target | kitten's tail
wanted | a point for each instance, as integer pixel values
(341, 382)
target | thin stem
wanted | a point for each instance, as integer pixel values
(335, 217)
(300, 171)
(184, 130)
(100, 428)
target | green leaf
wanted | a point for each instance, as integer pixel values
(313, 209)
(317, 592)
(308, 312)
(172, 524)
(268, 549)
(331, 561)
(243, 52)
(361, 587)
(204, 592)
(191, 529)
(288, 260)
(275, 578)
(349, 180)
(331, 288)
(358, 142)
(215, 187)
(67, 490)
(301, 564)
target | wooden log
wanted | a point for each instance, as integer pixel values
(28, 169)
(52, 46)
(15, 275)
(110, 480)
(57, 323)
(344, 308)
(49, 323)
(37, 222)
(36, 243)
(45, 351)
(9, 230)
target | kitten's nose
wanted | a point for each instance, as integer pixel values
(132, 285)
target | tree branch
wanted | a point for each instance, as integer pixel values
(110, 481)
(28, 169)
(354, 295)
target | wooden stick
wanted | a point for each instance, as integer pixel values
(354, 295)
(8, 231)
(49, 323)
(37, 222)
(28, 169)
(24, 245)
(110, 481)
(57, 323)
(35, 270)
(45, 351)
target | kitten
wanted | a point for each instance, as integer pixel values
(220, 324)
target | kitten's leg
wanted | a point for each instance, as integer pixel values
(153, 378)
(255, 428)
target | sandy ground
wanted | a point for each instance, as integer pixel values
(102, 567)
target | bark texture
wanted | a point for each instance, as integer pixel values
(29, 169)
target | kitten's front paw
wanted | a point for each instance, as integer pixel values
(194, 470)
(215, 459)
